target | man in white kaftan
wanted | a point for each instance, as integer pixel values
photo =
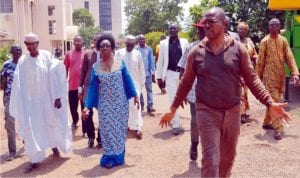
(134, 62)
(39, 103)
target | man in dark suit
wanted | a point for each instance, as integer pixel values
(90, 57)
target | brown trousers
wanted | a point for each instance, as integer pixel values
(219, 132)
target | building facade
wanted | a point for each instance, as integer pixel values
(51, 20)
(107, 14)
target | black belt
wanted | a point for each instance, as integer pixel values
(175, 70)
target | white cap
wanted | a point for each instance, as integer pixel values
(31, 38)
(130, 38)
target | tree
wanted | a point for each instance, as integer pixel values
(151, 15)
(153, 38)
(254, 12)
(197, 12)
(4, 54)
(83, 18)
(87, 34)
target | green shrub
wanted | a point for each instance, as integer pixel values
(4, 54)
(153, 38)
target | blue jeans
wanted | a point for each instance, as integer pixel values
(148, 86)
(10, 127)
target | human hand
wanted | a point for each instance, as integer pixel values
(166, 119)
(85, 113)
(277, 109)
(137, 102)
(153, 78)
(80, 96)
(295, 79)
(57, 103)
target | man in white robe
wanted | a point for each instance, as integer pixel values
(134, 62)
(39, 103)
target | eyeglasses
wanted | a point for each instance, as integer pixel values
(210, 22)
(274, 24)
(105, 46)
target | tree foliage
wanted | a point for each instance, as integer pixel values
(146, 16)
(4, 54)
(153, 38)
(254, 12)
(83, 18)
(87, 34)
(197, 12)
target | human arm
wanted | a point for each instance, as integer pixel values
(67, 63)
(142, 74)
(290, 61)
(152, 64)
(184, 87)
(160, 64)
(92, 96)
(128, 82)
(260, 63)
(130, 90)
(257, 87)
(83, 75)
(3, 77)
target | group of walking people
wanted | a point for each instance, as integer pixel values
(212, 71)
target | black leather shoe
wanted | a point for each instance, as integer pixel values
(55, 152)
(267, 126)
(278, 135)
(99, 145)
(74, 126)
(243, 118)
(193, 153)
(91, 143)
(31, 167)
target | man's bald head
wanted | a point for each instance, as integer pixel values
(274, 26)
(216, 12)
(274, 20)
(214, 23)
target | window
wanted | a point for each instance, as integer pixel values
(52, 27)
(51, 10)
(105, 15)
(6, 6)
(86, 5)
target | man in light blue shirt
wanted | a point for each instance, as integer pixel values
(147, 54)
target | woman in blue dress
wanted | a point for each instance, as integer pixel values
(109, 90)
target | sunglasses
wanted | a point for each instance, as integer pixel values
(210, 22)
(105, 46)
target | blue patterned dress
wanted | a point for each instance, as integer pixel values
(109, 93)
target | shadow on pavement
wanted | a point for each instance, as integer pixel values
(193, 171)
(269, 136)
(165, 135)
(47, 166)
(87, 152)
(98, 171)
(20, 153)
